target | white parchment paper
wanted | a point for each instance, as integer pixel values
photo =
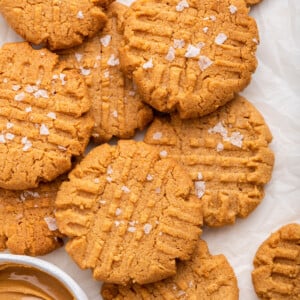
(275, 91)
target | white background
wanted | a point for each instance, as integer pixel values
(275, 91)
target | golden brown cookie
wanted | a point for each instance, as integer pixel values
(129, 214)
(117, 107)
(27, 223)
(189, 55)
(205, 277)
(252, 2)
(44, 117)
(226, 154)
(277, 265)
(58, 24)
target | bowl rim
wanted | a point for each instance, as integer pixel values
(48, 268)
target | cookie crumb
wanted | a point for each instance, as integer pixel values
(51, 223)
(148, 64)
(182, 5)
(220, 38)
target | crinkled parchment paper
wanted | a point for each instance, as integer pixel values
(275, 91)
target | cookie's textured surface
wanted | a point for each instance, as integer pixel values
(192, 56)
(43, 116)
(204, 277)
(117, 108)
(59, 24)
(226, 154)
(277, 265)
(252, 2)
(27, 224)
(129, 214)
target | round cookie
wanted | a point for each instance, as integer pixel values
(27, 223)
(117, 107)
(129, 214)
(204, 277)
(226, 154)
(44, 117)
(276, 273)
(190, 56)
(58, 24)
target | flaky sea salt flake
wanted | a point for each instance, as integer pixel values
(16, 87)
(2, 139)
(125, 189)
(113, 61)
(199, 188)
(78, 56)
(20, 97)
(105, 40)
(157, 136)
(179, 44)
(9, 136)
(182, 5)
(84, 72)
(232, 9)
(80, 15)
(204, 62)
(147, 228)
(148, 64)
(220, 38)
(44, 130)
(51, 223)
(51, 115)
(171, 54)
(9, 125)
(220, 147)
(149, 177)
(192, 51)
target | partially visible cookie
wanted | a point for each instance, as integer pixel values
(204, 277)
(276, 273)
(226, 154)
(27, 223)
(129, 214)
(58, 24)
(252, 2)
(44, 118)
(191, 56)
(117, 107)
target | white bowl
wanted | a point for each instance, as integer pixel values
(47, 268)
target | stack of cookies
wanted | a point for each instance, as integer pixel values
(133, 212)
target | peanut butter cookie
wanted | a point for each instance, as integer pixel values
(117, 107)
(204, 277)
(27, 223)
(189, 55)
(226, 154)
(129, 214)
(277, 265)
(58, 24)
(44, 117)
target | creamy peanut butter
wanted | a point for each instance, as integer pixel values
(20, 282)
